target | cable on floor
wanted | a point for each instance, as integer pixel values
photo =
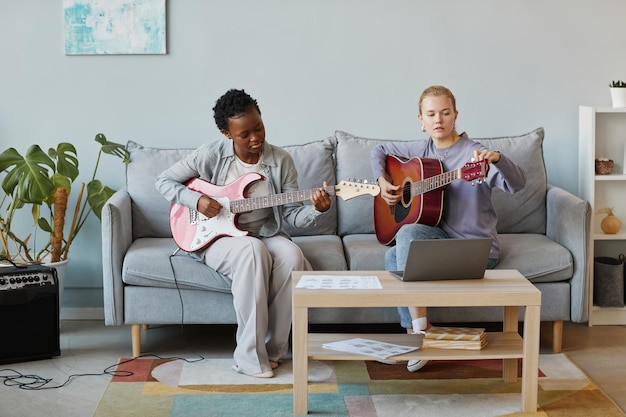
(13, 378)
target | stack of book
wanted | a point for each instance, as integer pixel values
(455, 338)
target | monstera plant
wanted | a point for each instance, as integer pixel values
(42, 182)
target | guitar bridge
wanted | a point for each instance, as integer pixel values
(193, 216)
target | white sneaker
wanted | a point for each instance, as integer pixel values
(415, 365)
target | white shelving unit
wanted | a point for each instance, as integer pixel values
(602, 134)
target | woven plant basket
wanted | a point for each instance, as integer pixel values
(604, 167)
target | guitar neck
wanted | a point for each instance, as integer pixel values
(434, 182)
(255, 203)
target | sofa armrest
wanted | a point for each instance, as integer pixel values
(116, 239)
(568, 221)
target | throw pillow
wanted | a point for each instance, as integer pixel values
(315, 163)
(150, 210)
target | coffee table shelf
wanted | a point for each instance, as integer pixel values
(500, 345)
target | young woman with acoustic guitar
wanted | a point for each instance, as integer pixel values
(466, 210)
(259, 260)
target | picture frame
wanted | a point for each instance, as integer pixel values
(114, 27)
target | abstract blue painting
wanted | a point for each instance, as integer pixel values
(99, 27)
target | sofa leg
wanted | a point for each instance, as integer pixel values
(135, 333)
(557, 336)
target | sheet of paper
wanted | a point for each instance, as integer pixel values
(369, 347)
(339, 282)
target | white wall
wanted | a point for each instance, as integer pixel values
(314, 66)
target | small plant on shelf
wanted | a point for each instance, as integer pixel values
(618, 93)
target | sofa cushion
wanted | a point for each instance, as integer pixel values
(149, 263)
(364, 252)
(315, 163)
(535, 256)
(324, 252)
(524, 211)
(150, 210)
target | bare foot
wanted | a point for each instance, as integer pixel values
(266, 374)
(273, 364)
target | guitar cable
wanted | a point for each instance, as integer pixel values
(180, 295)
(12, 378)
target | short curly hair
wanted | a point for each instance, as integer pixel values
(233, 103)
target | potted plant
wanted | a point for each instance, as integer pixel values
(43, 182)
(618, 93)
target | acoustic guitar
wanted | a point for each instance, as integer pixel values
(193, 231)
(421, 183)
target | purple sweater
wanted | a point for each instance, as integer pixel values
(467, 209)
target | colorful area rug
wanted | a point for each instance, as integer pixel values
(174, 388)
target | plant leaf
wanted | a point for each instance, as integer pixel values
(97, 196)
(44, 225)
(112, 148)
(60, 181)
(27, 176)
(67, 160)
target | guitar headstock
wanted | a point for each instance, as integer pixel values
(475, 170)
(350, 189)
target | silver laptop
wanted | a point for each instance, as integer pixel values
(440, 259)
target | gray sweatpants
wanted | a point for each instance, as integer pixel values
(260, 270)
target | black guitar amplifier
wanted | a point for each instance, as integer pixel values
(29, 313)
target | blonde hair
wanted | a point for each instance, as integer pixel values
(437, 90)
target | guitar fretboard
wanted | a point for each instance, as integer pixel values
(255, 203)
(434, 182)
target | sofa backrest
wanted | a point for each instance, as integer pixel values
(344, 157)
(523, 212)
(150, 211)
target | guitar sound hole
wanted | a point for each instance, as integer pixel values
(406, 194)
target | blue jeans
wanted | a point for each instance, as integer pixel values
(395, 257)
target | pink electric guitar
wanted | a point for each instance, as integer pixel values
(193, 231)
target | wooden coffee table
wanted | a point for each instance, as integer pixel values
(506, 288)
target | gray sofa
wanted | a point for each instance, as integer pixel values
(543, 232)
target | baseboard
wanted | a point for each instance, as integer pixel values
(82, 313)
